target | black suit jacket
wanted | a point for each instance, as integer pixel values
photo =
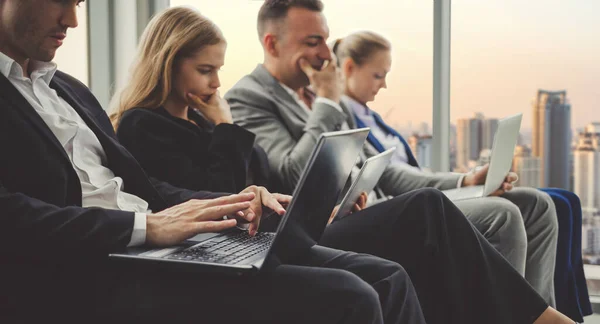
(52, 249)
(197, 156)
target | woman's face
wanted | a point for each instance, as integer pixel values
(199, 73)
(363, 82)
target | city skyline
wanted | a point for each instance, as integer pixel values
(502, 52)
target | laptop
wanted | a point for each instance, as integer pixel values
(365, 181)
(234, 252)
(503, 150)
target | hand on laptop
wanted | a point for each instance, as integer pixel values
(262, 198)
(180, 222)
(361, 203)
(478, 178)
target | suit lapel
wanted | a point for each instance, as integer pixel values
(18, 102)
(119, 160)
(74, 101)
(349, 114)
(278, 93)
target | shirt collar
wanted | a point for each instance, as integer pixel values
(358, 108)
(289, 90)
(10, 68)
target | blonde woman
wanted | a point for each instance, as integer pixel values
(171, 117)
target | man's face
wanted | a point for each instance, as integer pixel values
(35, 29)
(304, 35)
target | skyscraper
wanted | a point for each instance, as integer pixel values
(586, 182)
(421, 148)
(468, 140)
(527, 167)
(488, 130)
(552, 137)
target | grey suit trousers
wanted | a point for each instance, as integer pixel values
(522, 225)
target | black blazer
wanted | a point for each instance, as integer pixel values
(197, 156)
(52, 249)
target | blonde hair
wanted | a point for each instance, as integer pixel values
(176, 33)
(359, 46)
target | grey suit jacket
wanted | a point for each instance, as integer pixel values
(288, 133)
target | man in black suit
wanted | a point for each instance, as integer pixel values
(70, 194)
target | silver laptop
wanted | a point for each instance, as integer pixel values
(503, 150)
(365, 181)
(235, 252)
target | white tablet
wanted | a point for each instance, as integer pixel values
(365, 181)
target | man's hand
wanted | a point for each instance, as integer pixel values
(262, 197)
(216, 109)
(361, 203)
(327, 82)
(478, 178)
(183, 221)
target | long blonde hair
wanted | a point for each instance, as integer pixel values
(174, 34)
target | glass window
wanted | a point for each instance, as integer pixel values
(72, 56)
(538, 57)
(405, 105)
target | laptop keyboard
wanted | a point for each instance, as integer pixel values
(227, 249)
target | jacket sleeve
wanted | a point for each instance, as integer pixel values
(287, 156)
(223, 167)
(29, 225)
(175, 196)
(399, 178)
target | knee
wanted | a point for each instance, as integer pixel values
(355, 291)
(510, 224)
(548, 213)
(393, 273)
(427, 197)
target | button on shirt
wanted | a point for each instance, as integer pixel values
(99, 185)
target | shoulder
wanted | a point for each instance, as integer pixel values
(136, 121)
(70, 80)
(137, 116)
(247, 89)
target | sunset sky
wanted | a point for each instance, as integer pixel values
(502, 52)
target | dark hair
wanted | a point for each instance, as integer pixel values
(276, 10)
(359, 46)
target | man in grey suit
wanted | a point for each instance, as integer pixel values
(273, 103)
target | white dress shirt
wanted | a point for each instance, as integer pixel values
(100, 187)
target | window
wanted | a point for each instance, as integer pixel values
(72, 56)
(540, 58)
(405, 105)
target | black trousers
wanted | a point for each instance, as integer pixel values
(325, 286)
(458, 275)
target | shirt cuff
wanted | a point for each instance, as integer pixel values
(329, 102)
(138, 235)
(460, 180)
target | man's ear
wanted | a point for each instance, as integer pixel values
(271, 44)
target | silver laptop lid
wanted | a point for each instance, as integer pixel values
(503, 150)
(317, 192)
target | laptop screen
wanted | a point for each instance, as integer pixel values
(317, 191)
